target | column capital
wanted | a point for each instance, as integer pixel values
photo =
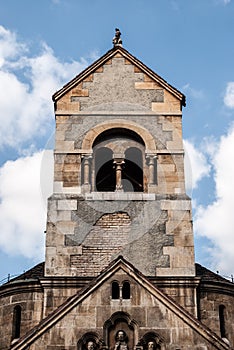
(87, 156)
(118, 161)
(151, 156)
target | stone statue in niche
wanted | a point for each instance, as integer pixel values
(90, 345)
(151, 345)
(121, 341)
(117, 40)
(148, 344)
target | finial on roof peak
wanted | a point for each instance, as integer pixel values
(117, 41)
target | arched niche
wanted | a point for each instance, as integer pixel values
(151, 341)
(120, 321)
(90, 341)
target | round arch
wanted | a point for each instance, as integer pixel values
(93, 133)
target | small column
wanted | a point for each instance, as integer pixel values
(86, 168)
(118, 168)
(151, 162)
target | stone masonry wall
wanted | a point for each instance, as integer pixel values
(144, 313)
(154, 235)
(31, 303)
(209, 301)
(118, 80)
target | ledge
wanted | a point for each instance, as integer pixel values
(123, 196)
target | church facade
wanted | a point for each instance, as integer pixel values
(119, 270)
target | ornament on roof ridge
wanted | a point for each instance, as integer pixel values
(117, 41)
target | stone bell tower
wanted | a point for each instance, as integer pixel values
(119, 272)
(119, 185)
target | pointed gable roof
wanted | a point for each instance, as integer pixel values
(130, 270)
(106, 57)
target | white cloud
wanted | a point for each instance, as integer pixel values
(216, 221)
(196, 166)
(9, 47)
(27, 84)
(195, 93)
(22, 204)
(229, 95)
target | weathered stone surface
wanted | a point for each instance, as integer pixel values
(113, 94)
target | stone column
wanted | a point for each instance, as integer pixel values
(86, 170)
(118, 168)
(86, 179)
(151, 162)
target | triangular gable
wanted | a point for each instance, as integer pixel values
(119, 51)
(119, 264)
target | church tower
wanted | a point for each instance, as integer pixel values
(119, 184)
(119, 271)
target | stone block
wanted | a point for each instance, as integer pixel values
(99, 70)
(89, 78)
(168, 168)
(65, 146)
(62, 119)
(176, 205)
(66, 227)
(146, 85)
(175, 145)
(79, 93)
(63, 215)
(59, 136)
(66, 204)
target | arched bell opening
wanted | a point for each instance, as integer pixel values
(104, 170)
(132, 173)
(119, 161)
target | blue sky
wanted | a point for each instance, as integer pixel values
(43, 44)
